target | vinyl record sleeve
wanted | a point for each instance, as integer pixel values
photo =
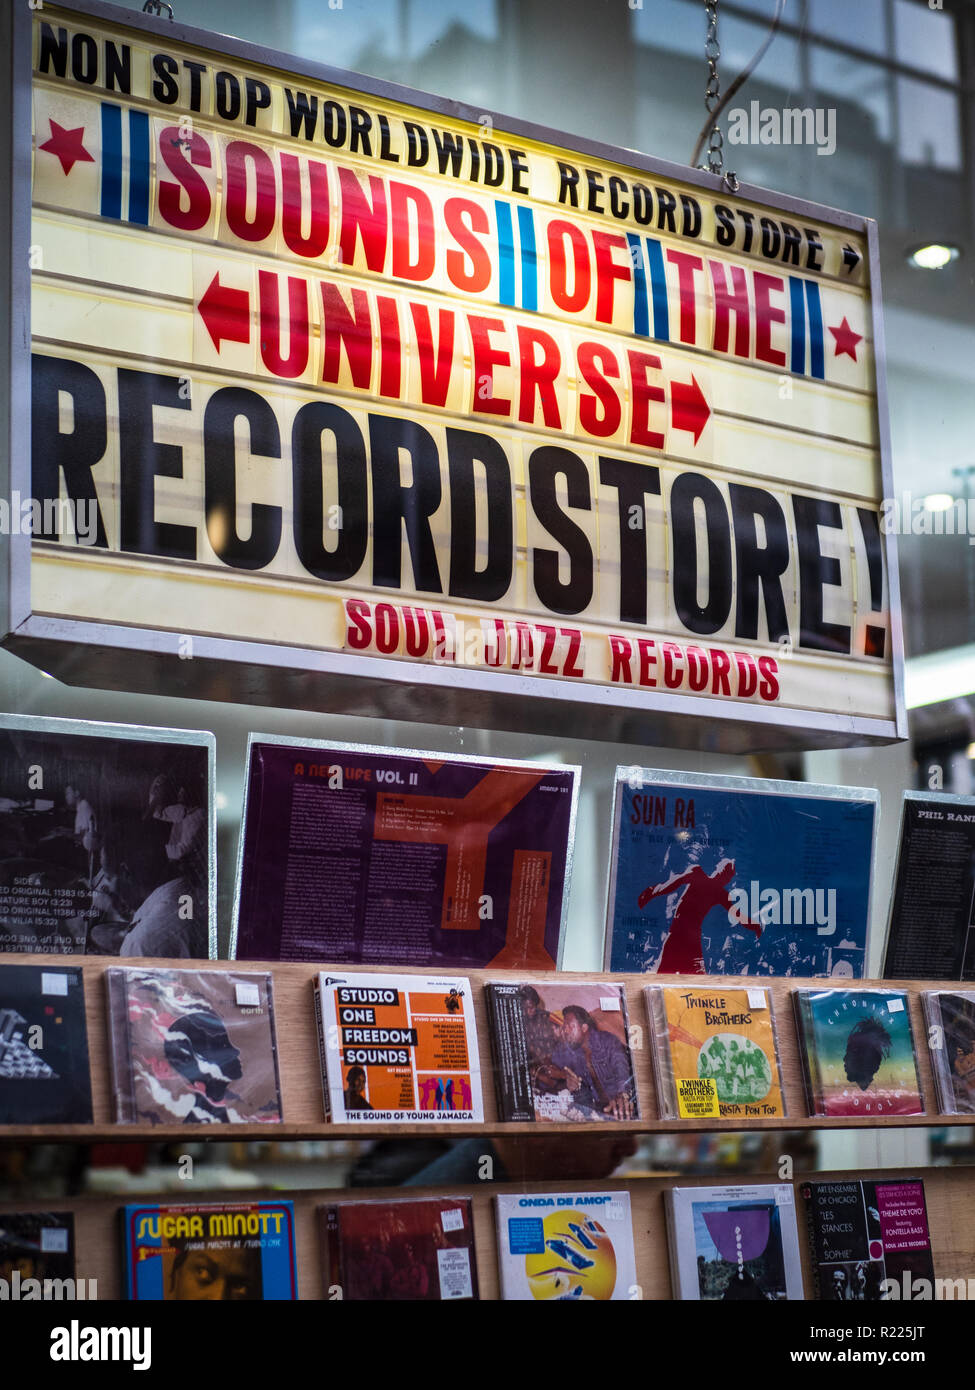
(734, 1243)
(368, 856)
(859, 1057)
(36, 1245)
(862, 1234)
(950, 1021)
(107, 839)
(561, 1051)
(241, 1252)
(405, 1250)
(713, 875)
(398, 1048)
(193, 1047)
(566, 1246)
(931, 924)
(715, 1052)
(44, 1075)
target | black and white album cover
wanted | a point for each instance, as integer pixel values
(107, 841)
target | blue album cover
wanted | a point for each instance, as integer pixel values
(240, 1252)
(709, 877)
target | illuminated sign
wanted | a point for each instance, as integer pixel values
(331, 385)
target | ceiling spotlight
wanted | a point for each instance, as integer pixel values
(933, 257)
(938, 502)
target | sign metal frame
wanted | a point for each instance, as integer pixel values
(123, 657)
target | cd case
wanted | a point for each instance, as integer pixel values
(734, 1243)
(192, 1047)
(37, 1247)
(570, 1246)
(371, 856)
(869, 1240)
(235, 1253)
(714, 1052)
(406, 1250)
(561, 1051)
(949, 1016)
(44, 1073)
(856, 1047)
(398, 1048)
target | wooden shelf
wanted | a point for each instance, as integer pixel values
(950, 1198)
(301, 1077)
(948, 1193)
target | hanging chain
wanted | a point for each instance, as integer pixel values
(712, 90)
(712, 98)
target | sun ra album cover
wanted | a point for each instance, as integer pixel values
(714, 875)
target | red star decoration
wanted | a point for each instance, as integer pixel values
(846, 340)
(68, 146)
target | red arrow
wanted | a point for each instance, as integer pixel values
(688, 408)
(226, 313)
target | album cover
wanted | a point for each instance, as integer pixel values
(107, 839)
(714, 1053)
(370, 856)
(398, 1048)
(192, 1047)
(867, 1236)
(240, 1252)
(950, 1020)
(561, 1051)
(44, 1077)
(856, 1047)
(931, 926)
(714, 875)
(566, 1246)
(37, 1247)
(734, 1243)
(405, 1250)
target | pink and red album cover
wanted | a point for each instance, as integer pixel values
(399, 1251)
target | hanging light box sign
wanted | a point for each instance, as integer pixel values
(348, 397)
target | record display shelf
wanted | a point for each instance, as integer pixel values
(300, 1066)
(948, 1196)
